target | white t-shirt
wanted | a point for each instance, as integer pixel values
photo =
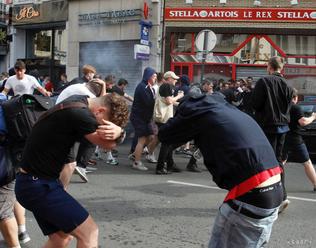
(25, 86)
(75, 89)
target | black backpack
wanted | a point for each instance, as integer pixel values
(21, 113)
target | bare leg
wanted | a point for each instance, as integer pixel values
(19, 213)
(139, 148)
(66, 173)
(310, 172)
(87, 234)
(9, 230)
(153, 144)
(58, 240)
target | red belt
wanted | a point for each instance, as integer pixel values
(252, 183)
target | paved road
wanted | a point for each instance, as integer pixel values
(142, 210)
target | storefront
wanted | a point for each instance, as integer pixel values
(104, 34)
(247, 37)
(3, 37)
(39, 36)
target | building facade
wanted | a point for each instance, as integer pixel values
(119, 37)
(247, 33)
(38, 35)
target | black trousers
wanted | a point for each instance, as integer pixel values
(277, 141)
(85, 152)
(165, 156)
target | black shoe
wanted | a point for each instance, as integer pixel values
(193, 168)
(24, 237)
(162, 171)
(173, 168)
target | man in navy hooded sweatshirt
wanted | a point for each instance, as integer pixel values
(142, 114)
(241, 160)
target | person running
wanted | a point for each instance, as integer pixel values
(38, 187)
(241, 160)
(295, 148)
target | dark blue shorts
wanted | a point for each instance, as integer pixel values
(53, 208)
(142, 128)
(297, 153)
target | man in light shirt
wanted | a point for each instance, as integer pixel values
(22, 83)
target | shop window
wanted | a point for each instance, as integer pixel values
(181, 43)
(227, 43)
(60, 46)
(43, 43)
(302, 78)
(257, 51)
(296, 45)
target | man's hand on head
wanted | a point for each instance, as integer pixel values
(109, 131)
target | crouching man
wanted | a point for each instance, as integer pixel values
(38, 188)
(240, 159)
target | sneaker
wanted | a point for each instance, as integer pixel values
(315, 189)
(24, 237)
(131, 156)
(173, 168)
(162, 171)
(193, 168)
(139, 166)
(89, 168)
(112, 161)
(145, 151)
(283, 205)
(92, 162)
(151, 158)
(82, 173)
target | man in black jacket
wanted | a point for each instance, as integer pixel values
(271, 100)
(240, 159)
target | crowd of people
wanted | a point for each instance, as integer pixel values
(240, 128)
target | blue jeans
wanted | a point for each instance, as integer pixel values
(235, 230)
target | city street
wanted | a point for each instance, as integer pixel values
(142, 210)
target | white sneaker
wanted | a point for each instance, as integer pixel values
(284, 205)
(90, 168)
(112, 161)
(82, 173)
(151, 158)
(139, 166)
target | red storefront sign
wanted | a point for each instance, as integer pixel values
(240, 14)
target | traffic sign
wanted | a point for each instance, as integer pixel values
(200, 40)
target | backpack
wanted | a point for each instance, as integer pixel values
(7, 172)
(21, 113)
(3, 126)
